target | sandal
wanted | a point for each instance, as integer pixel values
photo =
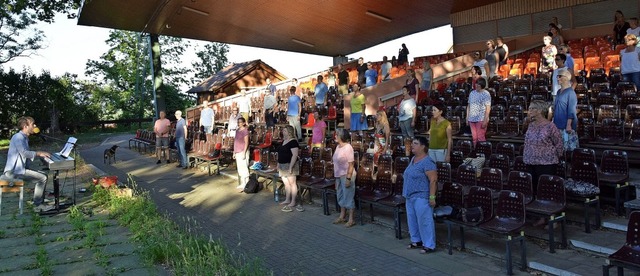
(284, 203)
(287, 209)
(299, 208)
(425, 250)
(414, 245)
(349, 224)
(339, 221)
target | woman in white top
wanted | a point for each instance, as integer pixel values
(482, 63)
(630, 60)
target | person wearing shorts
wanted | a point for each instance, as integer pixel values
(161, 128)
(288, 169)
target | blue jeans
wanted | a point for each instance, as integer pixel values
(420, 221)
(182, 152)
(40, 180)
(633, 77)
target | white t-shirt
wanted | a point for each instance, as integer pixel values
(243, 104)
(555, 85)
(406, 109)
(481, 63)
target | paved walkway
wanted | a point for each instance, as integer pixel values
(307, 243)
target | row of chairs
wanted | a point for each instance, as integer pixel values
(144, 139)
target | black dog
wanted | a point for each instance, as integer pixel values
(110, 154)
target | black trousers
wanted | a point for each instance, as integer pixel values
(537, 170)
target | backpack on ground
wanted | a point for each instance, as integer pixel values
(253, 186)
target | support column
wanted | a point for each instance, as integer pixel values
(156, 71)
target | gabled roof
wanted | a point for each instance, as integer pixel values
(230, 74)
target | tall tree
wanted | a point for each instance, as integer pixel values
(211, 60)
(18, 37)
(124, 69)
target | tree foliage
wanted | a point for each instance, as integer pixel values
(18, 37)
(54, 102)
(124, 73)
(211, 60)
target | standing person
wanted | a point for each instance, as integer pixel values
(478, 111)
(403, 55)
(207, 119)
(244, 105)
(232, 125)
(630, 60)
(556, 37)
(482, 63)
(320, 92)
(634, 29)
(362, 68)
(331, 78)
(343, 80)
(319, 129)
(288, 168)
(620, 27)
(358, 107)
(161, 127)
(270, 87)
(564, 109)
(542, 143)
(570, 63)
(549, 52)
(476, 74)
(19, 159)
(427, 76)
(555, 84)
(419, 189)
(412, 83)
(407, 114)
(371, 75)
(503, 50)
(294, 107)
(241, 152)
(440, 134)
(382, 135)
(269, 108)
(343, 170)
(492, 58)
(181, 140)
(385, 69)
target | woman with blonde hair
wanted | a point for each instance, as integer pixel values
(492, 58)
(382, 135)
(288, 168)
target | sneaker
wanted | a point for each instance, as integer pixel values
(158, 161)
(287, 209)
(240, 187)
(179, 166)
(168, 161)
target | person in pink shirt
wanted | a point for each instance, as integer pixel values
(319, 129)
(161, 128)
(343, 170)
(241, 152)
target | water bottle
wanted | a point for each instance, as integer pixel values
(276, 195)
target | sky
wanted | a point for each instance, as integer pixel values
(69, 46)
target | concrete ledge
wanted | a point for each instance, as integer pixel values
(550, 269)
(592, 247)
(614, 226)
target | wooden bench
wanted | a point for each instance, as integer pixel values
(10, 185)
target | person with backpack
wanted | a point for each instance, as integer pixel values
(288, 168)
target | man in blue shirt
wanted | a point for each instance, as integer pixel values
(271, 87)
(564, 49)
(371, 75)
(564, 108)
(19, 158)
(321, 92)
(294, 107)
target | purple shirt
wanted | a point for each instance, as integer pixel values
(238, 142)
(317, 132)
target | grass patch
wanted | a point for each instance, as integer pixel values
(165, 242)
